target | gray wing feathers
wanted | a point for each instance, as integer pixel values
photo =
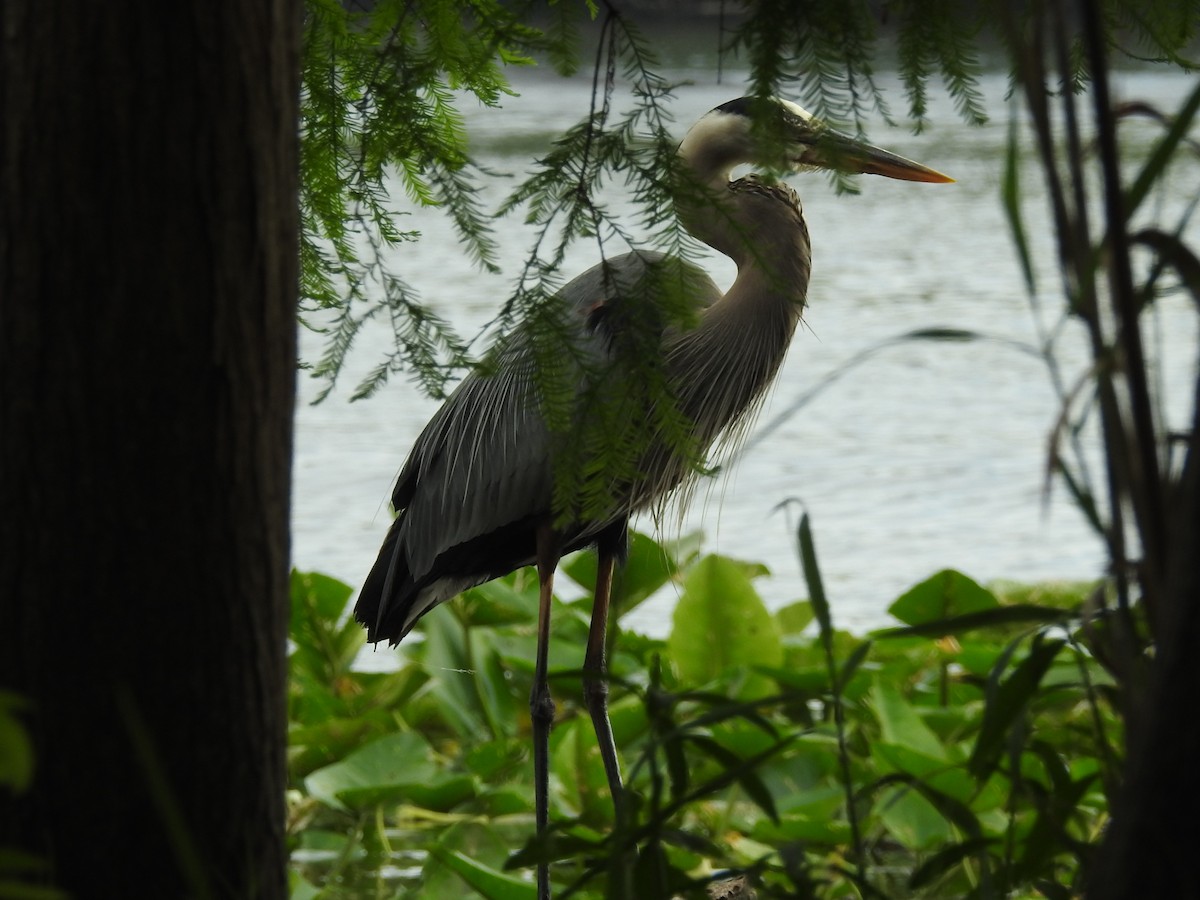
(475, 475)
(483, 461)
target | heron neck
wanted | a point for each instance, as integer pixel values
(724, 365)
(760, 226)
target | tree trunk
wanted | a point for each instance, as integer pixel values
(1149, 849)
(148, 251)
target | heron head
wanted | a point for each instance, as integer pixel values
(780, 135)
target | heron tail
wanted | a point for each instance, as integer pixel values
(382, 597)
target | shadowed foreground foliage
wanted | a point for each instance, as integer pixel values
(967, 752)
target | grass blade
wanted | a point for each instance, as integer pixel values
(1163, 153)
(1018, 614)
(1008, 702)
(1010, 196)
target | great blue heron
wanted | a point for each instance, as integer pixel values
(475, 500)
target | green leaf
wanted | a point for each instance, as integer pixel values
(16, 749)
(319, 595)
(912, 819)
(1007, 701)
(678, 771)
(648, 567)
(1020, 614)
(751, 783)
(851, 665)
(946, 859)
(299, 888)
(628, 718)
(1174, 252)
(744, 737)
(486, 881)
(653, 874)
(825, 830)
(13, 860)
(19, 890)
(393, 768)
(812, 577)
(325, 643)
(501, 707)
(490, 759)
(914, 803)
(721, 624)
(496, 603)
(507, 801)
(948, 593)
(946, 777)
(1010, 195)
(1046, 836)
(312, 746)
(553, 845)
(576, 763)
(807, 680)
(1165, 151)
(447, 657)
(795, 617)
(901, 724)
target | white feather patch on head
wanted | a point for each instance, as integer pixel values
(717, 142)
(796, 109)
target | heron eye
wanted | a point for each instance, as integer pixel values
(810, 156)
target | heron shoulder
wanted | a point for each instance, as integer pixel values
(640, 294)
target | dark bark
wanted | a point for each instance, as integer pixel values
(148, 234)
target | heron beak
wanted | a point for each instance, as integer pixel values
(837, 151)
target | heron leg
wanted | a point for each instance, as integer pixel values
(541, 704)
(595, 684)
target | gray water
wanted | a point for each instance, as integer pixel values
(927, 456)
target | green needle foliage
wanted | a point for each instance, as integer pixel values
(381, 87)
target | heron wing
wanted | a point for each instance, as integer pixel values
(484, 460)
(480, 464)
(479, 478)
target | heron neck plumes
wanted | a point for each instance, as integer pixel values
(760, 226)
(722, 368)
